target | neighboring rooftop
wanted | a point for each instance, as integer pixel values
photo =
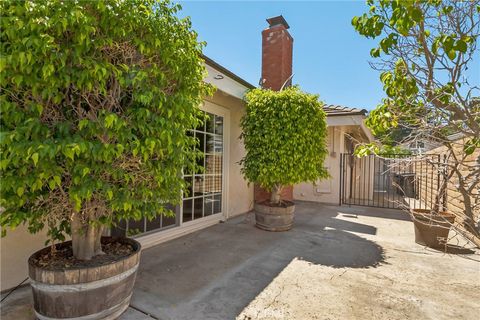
(336, 110)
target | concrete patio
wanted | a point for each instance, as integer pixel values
(337, 263)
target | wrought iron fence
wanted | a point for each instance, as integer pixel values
(391, 181)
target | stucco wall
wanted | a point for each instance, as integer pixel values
(240, 194)
(16, 247)
(326, 191)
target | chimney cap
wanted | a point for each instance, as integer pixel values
(278, 20)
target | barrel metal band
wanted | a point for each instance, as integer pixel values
(77, 287)
(108, 314)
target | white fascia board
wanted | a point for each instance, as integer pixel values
(225, 83)
(355, 120)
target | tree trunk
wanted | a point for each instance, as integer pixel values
(275, 194)
(85, 238)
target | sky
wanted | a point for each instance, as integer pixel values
(329, 57)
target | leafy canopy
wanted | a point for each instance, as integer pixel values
(96, 99)
(424, 50)
(285, 137)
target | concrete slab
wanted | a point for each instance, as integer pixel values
(337, 263)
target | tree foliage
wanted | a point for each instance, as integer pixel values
(285, 138)
(424, 51)
(96, 98)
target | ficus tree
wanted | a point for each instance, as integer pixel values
(96, 98)
(285, 139)
(424, 53)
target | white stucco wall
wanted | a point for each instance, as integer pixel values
(240, 194)
(326, 191)
(15, 249)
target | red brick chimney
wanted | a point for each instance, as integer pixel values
(277, 48)
(277, 52)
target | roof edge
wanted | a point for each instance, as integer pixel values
(227, 72)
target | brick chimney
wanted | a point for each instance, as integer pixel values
(277, 49)
(277, 52)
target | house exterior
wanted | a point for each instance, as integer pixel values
(346, 129)
(220, 192)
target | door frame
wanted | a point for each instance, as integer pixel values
(154, 238)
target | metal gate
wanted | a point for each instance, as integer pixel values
(390, 181)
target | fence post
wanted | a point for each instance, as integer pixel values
(444, 204)
(340, 194)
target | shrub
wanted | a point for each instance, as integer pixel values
(285, 138)
(96, 99)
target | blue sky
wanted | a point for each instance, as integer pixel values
(329, 57)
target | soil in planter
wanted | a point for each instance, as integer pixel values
(282, 204)
(63, 257)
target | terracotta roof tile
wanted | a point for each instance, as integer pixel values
(336, 110)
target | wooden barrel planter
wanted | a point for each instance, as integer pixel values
(274, 218)
(432, 230)
(99, 292)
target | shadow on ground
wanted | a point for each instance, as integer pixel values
(215, 273)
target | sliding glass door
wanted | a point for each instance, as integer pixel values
(205, 195)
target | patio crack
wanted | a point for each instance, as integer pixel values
(145, 313)
(338, 276)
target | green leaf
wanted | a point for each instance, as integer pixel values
(35, 158)
(20, 191)
(57, 180)
(452, 54)
(461, 46)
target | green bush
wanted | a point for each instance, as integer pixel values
(96, 98)
(285, 138)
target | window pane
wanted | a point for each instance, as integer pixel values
(200, 165)
(218, 125)
(187, 210)
(209, 184)
(208, 206)
(198, 186)
(197, 208)
(168, 221)
(210, 143)
(136, 227)
(189, 190)
(217, 184)
(201, 126)
(217, 203)
(154, 224)
(210, 163)
(217, 169)
(218, 143)
(210, 122)
(120, 230)
(201, 139)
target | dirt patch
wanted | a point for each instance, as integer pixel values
(62, 258)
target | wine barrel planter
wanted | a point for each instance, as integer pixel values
(274, 218)
(99, 292)
(432, 230)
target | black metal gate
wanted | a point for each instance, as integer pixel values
(390, 181)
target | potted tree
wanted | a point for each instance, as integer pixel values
(96, 98)
(425, 52)
(285, 140)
